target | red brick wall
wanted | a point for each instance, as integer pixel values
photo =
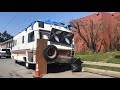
(107, 18)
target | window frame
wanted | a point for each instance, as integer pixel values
(33, 37)
(23, 39)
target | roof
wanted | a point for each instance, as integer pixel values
(10, 40)
(54, 23)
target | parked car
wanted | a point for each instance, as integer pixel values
(5, 52)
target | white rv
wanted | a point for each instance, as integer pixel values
(60, 42)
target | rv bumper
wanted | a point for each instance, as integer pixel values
(62, 59)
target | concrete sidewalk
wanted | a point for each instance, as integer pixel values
(101, 64)
(102, 72)
(114, 74)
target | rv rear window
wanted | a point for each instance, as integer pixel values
(44, 34)
(60, 36)
(31, 37)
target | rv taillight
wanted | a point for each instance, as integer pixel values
(70, 54)
(73, 52)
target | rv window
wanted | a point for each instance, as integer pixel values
(23, 39)
(44, 34)
(31, 37)
(14, 42)
(67, 38)
(55, 35)
(41, 24)
(60, 36)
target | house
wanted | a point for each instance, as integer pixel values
(7, 44)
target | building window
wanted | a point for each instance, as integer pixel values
(31, 37)
(23, 39)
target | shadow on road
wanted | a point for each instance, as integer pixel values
(21, 63)
(32, 66)
(56, 68)
(51, 68)
(4, 58)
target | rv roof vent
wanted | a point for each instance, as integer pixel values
(112, 14)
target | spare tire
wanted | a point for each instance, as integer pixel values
(50, 52)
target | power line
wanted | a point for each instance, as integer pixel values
(10, 21)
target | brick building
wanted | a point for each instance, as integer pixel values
(108, 19)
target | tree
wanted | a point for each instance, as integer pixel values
(116, 32)
(105, 29)
(5, 36)
(88, 31)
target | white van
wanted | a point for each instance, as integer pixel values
(5, 52)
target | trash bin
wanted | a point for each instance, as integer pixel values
(76, 65)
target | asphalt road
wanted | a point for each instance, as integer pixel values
(9, 69)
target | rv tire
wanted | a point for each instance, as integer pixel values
(16, 61)
(50, 52)
(27, 65)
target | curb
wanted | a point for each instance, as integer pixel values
(102, 72)
(102, 64)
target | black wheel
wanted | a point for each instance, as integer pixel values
(9, 56)
(27, 65)
(16, 61)
(50, 52)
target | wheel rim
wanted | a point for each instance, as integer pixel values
(51, 52)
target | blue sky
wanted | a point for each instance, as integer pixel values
(14, 22)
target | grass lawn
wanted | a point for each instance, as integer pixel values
(109, 57)
(102, 67)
